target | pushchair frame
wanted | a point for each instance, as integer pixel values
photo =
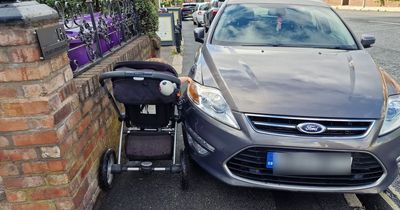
(109, 164)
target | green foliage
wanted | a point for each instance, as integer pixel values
(148, 16)
(48, 2)
(172, 3)
(147, 11)
(166, 4)
(155, 2)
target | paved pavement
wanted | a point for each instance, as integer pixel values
(161, 191)
(360, 8)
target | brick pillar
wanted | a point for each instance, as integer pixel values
(37, 97)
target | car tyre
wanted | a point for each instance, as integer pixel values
(105, 174)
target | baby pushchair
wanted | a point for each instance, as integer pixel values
(149, 123)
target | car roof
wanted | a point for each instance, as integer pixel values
(289, 2)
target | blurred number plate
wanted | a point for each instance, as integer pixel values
(304, 163)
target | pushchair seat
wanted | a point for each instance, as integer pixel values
(147, 90)
(137, 87)
(149, 124)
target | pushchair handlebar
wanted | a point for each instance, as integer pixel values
(138, 75)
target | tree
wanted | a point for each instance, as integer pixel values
(148, 16)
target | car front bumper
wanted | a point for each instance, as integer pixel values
(223, 142)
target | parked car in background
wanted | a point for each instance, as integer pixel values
(198, 14)
(187, 10)
(284, 96)
(211, 13)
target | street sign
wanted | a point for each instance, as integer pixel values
(177, 15)
(52, 41)
(166, 29)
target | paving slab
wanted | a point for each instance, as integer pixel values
(360, 8)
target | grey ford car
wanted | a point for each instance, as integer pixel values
(285, 97)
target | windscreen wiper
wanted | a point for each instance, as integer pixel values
(341, 48)
(264, 45)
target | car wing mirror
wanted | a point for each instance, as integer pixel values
(199, 34)
(367, 40)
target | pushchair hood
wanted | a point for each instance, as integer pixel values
(156, 66)
(137, 82)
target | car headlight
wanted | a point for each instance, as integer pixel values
(392, 117)
(211, 101)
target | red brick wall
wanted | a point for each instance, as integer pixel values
(389, 3)
(368, 3)
(95, 125)
(372, 3)
(355, 2)
(53, 127)
(36, 96)
(334, 2)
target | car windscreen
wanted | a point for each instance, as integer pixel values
(282, 25)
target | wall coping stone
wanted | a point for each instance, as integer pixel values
(26, 12)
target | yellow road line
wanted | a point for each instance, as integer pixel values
(353, 201)
(395, 192)
(389, 201)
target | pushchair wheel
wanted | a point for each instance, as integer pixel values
(185, 163)
(105, 174)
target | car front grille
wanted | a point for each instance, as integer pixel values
(288, 126)
(250, 164)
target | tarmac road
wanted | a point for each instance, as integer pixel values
(161, 191)
(386, 28)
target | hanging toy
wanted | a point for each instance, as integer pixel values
(167, 88)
